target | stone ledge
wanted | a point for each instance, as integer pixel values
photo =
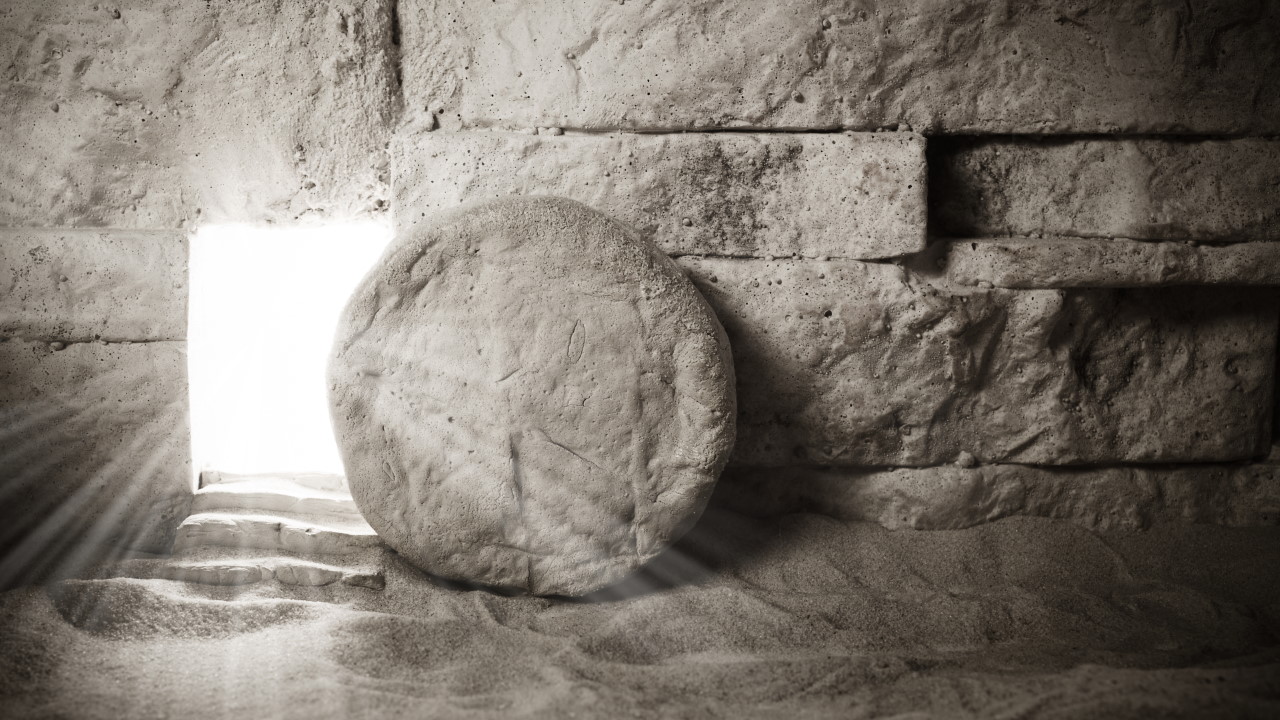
(778, 194)
(1108, 263)
(96, 447)
(1038, 66)
(84, 285)
(1144, 189)
(951, 498)
(849, 363)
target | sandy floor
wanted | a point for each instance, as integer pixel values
(795, 617)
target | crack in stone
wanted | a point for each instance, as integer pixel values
(67, 341)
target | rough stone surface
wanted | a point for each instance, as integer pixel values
(528, 396)
(324, 482)
(852, 363)
(262, 529)
(950, 498)
(307, 535)
(1109, 262)
(80, 285)
(95, 447)
(830, 194)
(939, 65)
(1146, 189)
(150, 114)
(271, 495)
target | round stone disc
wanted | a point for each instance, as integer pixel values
(526, 395)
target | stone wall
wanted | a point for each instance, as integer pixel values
(1024, 252)
(94, 446)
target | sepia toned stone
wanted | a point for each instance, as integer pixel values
(164, 114)
(1109, 262)
(84, 285)
(96, 448)
(850, 363)
(950, 498)
(1144, 189)
(941, 66)
(859, 195)
(526, 395)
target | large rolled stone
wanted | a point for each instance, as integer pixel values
(526, 395)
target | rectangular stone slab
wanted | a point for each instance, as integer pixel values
(81, 285)
(95, 447)
(813, 194)
(851, 363)
(1109, 262)
(948, 497)
(972, 66)
(160, 113)
(1145, 189)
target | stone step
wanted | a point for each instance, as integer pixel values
(249, 570)
(274, 495)
(316, 481)
(314, 535)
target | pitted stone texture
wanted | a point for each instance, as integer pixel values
(852, 363)
(82, 285)
(950, 498)
(303, 535)
(526, 395)
(940, 65)
(1148, 189)
(96, 447)
(152, 114)
(1109, 262)
(838, 195)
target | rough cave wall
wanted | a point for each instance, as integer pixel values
(124, 127)
(975, 258)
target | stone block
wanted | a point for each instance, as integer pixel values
(1109, 262)
(94, 448)
(829, 194)
(155, 114)
(305, 536)
(83, 285)
(1145, 189)
(972, 66)
(950, 498)
(849, 363)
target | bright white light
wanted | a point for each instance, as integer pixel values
(264, 306)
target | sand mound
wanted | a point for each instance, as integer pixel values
(799, 615)
(124, 608)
